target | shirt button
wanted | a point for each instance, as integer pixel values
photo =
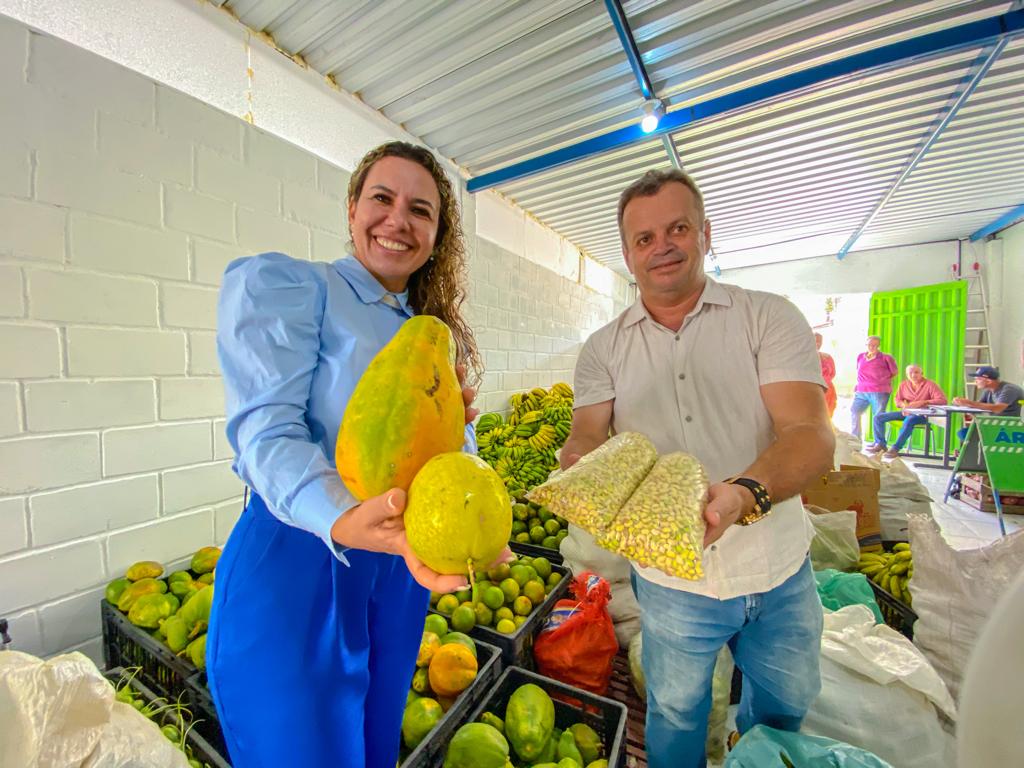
(689, 418)
(714, 547)
(677, 337)
(682, 376)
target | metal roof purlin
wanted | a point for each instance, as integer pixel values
(972, 34)
(980, 69)
(1004, 221)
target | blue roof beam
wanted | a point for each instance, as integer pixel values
(1007, 219)
(971, 35)
(979, 69)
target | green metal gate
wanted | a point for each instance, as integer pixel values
(925, 326)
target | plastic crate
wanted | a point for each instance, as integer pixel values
(489, 668)
(202, 750)
(201, 703)
(517, 648)
(896, 613)
(606, 716)
(125, 645)
(536, 550)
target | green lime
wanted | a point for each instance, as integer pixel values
(521, 511)
(463, 595)
(522, 605)
(534, 522)
(510, 589)
(544, 514)
(519, 621)
(518, 526)
(552, 527)
(542, 566)
(434, 597)
(503, 613)
(523, 538)
(520, 574)
(463, 618)
(533, 590)
(537, 534)
(494, 597)
(498, 573)
(554, 578)
(436, 624)
(531, 572)
(484, 615)
(550, 542)
(447, 604)
(561, 535)
(506, 626)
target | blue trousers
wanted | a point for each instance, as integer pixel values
(861, 400)
(909, 422)
(309, 660)
(775, 638)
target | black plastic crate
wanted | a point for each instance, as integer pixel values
(517, 648)
(536, 550)
(202, 750)
(606, 716)
(896, 613)
(125, 645)
(201, 703)
(488, 670)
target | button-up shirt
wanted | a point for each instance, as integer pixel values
(698, 390)
(293, 339)
(929, 392)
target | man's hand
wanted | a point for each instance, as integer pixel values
(727, 503)
(377, 525)
(567, 460)
(468, 394)
(960, 401)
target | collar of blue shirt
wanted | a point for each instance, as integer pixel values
(367, 288)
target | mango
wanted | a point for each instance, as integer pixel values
(149, 610)
(145, 569)
(205, 559)
(115, 588)
(136, 590)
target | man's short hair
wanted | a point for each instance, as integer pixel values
(876, 338)
(651, 183)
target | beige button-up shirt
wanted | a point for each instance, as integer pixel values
(697, 390)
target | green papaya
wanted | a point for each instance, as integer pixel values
(462, 639)
(206, 578)
(115, 588)
(568, 762)
(419, 719)
(176, 633)
(421, 681)
(196, 610)
(172, 601)
(550, 752)
(588, 742)
(205, 559)
(197, 651)
(179, 576)
(529, 720)
(477, 745)
(567, 749)
(145, 569)
(149, 610)
(598, 764)
(136, 590)
(181, 588)
(494, 721)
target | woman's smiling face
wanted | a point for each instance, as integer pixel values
(393, 223)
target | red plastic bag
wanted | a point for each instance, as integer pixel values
(577, 642)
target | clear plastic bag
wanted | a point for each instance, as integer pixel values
(835, 542)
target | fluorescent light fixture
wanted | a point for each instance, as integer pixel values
(653, 110)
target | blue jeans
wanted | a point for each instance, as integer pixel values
(909, 422)
(775, 638)
(861, 401)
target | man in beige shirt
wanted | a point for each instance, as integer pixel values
(731, 376)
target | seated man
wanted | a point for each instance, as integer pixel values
(915, 392)
(1001, 398)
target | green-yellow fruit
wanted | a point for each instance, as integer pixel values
(458, 511)
(406, 409)
(115, 588)
(477, 745)
(176, 633)
(179, 576)
(136, 590)
(149, 610)
(197, 651)
(588, 742)
(205, 559)
(146, 569)
(420, 717)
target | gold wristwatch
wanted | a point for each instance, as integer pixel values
(762, 501)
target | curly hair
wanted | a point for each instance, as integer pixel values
(437, 288)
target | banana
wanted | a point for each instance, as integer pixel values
(901, 547)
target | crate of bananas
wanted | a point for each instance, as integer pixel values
(890, 573)
(523, 447)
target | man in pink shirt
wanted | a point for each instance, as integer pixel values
(915, 392)
(875, 372)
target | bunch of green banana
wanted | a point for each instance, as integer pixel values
(522, 447)
(890, 570)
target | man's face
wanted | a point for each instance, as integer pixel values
(985, 382)
(873, 345)
(915, 374)
(665, 239)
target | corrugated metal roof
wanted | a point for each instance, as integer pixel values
(492, 83)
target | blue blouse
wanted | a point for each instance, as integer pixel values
(293, 339)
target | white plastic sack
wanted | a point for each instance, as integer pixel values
(955, 592)
(835, 542)
(61, 713)
(879, 693)
(581, 553)
(847, 446)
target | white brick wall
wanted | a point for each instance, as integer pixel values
(121, 203)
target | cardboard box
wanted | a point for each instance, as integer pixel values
(975, 491)
(853, 488)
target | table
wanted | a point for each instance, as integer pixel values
(927, 413)
(948, 411)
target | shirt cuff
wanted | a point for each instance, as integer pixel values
(583, 399)
(317, 507)
(470, 446)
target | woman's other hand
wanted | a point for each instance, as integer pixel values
(468, 393)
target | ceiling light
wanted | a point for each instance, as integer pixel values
(653, 110)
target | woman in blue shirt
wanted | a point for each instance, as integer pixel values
(319, 602)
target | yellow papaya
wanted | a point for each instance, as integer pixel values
(406, 408)
(146, 569)
(149, 610)
(137, 589)
(205, 560)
